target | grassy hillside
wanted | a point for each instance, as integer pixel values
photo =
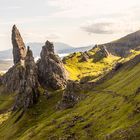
(110, 110)
(122, 47)
(78, 70)
(90, 70)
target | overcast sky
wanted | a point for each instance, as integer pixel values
(76, 22)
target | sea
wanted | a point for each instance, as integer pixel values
(5, 64)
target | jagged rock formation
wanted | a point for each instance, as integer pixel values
(11, 79)
(50, 68)
(23, 81)
(19, 50)
(28, 89)
(22, 78)
(71, 95)
(101, 53)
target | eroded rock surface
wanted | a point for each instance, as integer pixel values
(22, 78)
(19, 49)
(28, 89)
(11, 79)
(101, 53)
(50, 68)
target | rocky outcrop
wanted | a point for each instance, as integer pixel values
(50, 68)
(11, 79)
(22, 78)
(28, 85)
(19, 50)
(101, 53)
(84, 57)
(71, 95)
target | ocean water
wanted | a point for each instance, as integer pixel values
(5, 64)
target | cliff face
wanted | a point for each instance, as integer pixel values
(19, 49)
(28, 89)
(11, 79)
(50, 68)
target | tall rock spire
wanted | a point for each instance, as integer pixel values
(51, 71)
(19, 49)
(22, 79)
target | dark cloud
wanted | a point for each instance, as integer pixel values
(99, 28)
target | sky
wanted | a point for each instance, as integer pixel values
(75, 22)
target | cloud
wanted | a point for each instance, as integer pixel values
(53, 36)
(99, 28)
(89, 8)
(110, 27)
(10, 8)
(13, 7)
(23, 20)
(3, 35)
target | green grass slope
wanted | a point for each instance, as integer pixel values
(78, 70)
(110, 111)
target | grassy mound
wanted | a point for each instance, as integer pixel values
(78, 70)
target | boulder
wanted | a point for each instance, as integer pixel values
(51, 71)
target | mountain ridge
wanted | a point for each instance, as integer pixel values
(121, 47)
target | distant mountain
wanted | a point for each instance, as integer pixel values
(122, 46)
(36, 47)
(79, 49)
(60, 48)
